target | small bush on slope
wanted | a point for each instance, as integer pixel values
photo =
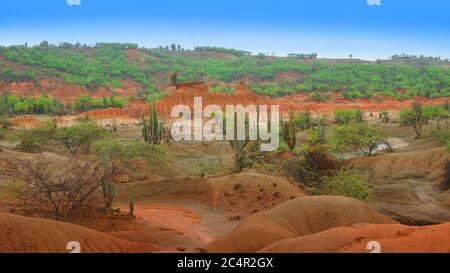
(346, 182)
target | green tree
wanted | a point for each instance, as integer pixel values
(78, 138)
(360, 136)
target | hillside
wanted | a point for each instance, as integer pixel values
(126, 70)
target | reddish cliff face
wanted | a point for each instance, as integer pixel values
(65, 92)
(303, 102)
(185, 94)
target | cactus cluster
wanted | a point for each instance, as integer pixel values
(152, 129)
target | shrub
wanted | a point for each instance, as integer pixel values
(343, 116)
(443, 136)
(413, 117)
(360, 136)
(303, 120)
(116, 155)
(384, 116)
(346, 182)
(320, 97)
(63, 186)
(79, 137)
(312, 166)
(34, 139)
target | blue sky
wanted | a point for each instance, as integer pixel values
(332, 28)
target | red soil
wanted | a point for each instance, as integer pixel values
(391, 238)
(303, 102)
(66, 92)
(294, 218)
(185, 93)
(25, 234)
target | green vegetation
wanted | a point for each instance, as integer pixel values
(346, 182)
(384, 116)
(101, 64)
(153, 128)
(10, 75)
(11, 105)
(312, 166)
(76, 138)
(115, 155)
(320, 97)
(86, 103)
(107, 65)
(303, 55)
(316, 135)
(79, 137)
(215, 49)
(290, 131)
(33, 140)
(224, 89)
(360, 136)
(303, 120)
(320, 172)
(343, 117)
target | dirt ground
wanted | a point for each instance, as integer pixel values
(192, 200)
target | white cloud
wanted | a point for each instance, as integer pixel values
(74, 2)
(374, 2)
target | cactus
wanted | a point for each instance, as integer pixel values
(321, 122)
(109, 193)
(108, 188)
(418, 118)
(290, 131)
(238, 147)
(153, 129)
(359, 115)
(131, 199)
(113, 125)
(384, 115)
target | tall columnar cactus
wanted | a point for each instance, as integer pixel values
(113, 125)
(152, 129)
(131, 199)
(359, 115)
(290, 131)
(108, 188)
(418, 118)
(384, 115)
(321, 123)
(238, 147)
(109, 193)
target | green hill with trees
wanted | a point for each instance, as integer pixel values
(108, 64)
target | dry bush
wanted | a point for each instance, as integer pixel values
(312, 166)
(64, 185)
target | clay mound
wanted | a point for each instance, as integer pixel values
(298, 217)
(426, 164)
(244, 193)
(392, 238)
(33, 235)
(408, 185)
